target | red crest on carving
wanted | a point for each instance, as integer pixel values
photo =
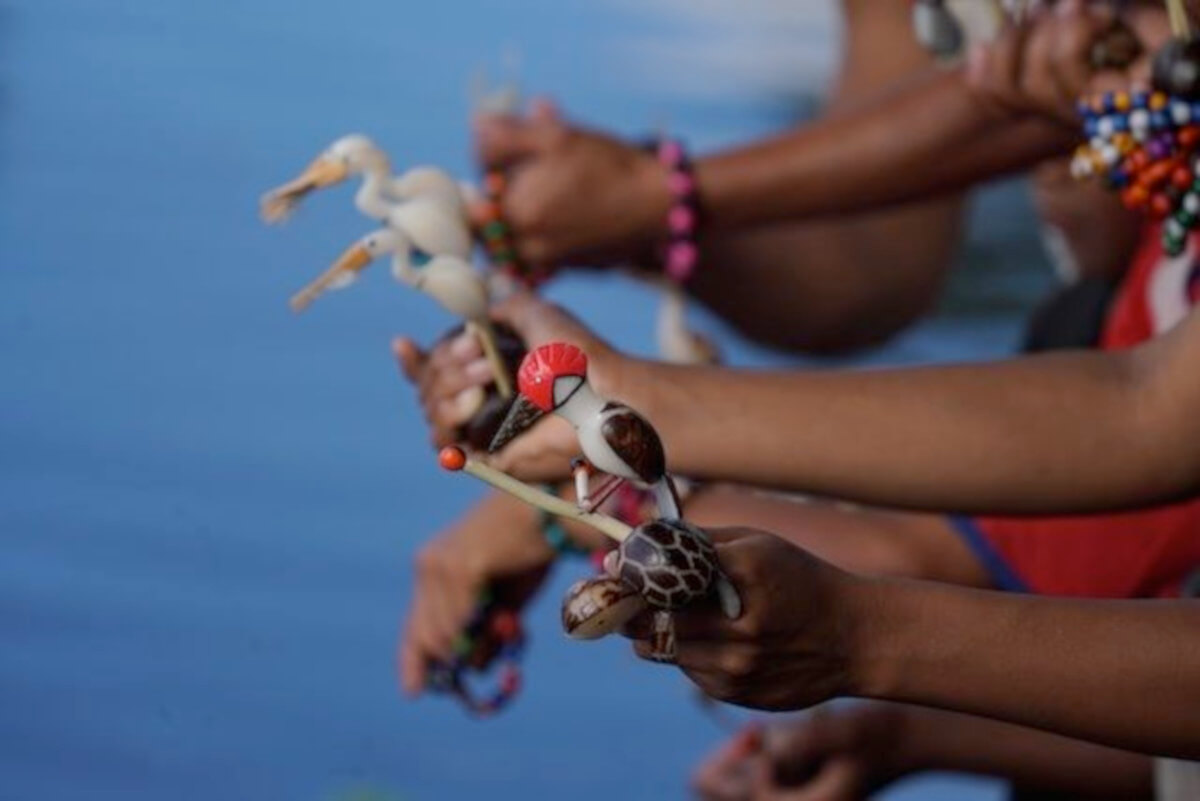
(543, 364)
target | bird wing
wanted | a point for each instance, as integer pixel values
(636, 442)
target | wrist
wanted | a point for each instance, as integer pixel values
(652, 187)
(876, 631)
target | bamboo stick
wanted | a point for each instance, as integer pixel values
(1181, 26)
(454, 459)
(486, 334)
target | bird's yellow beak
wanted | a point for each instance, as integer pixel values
(343, 273)
(277, 204)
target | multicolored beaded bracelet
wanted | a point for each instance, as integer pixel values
(680, 255)
(497, 236)
(1146, 145)
(492, 627)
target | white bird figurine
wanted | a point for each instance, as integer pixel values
(447, 278)
(380, 190)
(613, 437)
(427, 232)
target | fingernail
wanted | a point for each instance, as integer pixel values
(464, 347)
(478, 371)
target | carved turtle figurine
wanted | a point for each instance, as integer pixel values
(671, 563)
(596, 607)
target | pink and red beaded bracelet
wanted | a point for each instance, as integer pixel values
(680, 255)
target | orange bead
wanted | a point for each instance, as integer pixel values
(1158, 101)
(1156, 173)
(1135, 197)
(1122, 101)
(1124, 143)
(1137, 161)
(452, 458)
(493, 183)
(490, 212)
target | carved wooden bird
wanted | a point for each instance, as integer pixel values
(613, 437)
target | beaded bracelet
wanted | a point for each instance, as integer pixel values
(497, 236)
(680, 254)
(1146, 145)
(491, 625)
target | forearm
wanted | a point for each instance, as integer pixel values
(934, 137)
(1029, 758)
(1070, 431)
(830, 286)
(1122, 673)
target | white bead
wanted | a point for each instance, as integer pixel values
(1105, 127)
(1191, 203)
(1181, 113)
(1174, 227)
(1139, 120)
(1110, 155)
(1081, 167)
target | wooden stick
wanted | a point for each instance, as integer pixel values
(1181, 26)
(483, 330)
(454, 459)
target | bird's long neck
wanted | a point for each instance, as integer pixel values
(582, 407)
(403, 269)
(371, 198)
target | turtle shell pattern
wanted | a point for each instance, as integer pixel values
(669, 562)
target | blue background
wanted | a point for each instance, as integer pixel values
(208, 507)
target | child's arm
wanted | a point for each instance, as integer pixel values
(851, 751)
(1121, 673)
(1072, 431)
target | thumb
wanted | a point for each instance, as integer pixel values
(544, 109)
(503, 141)
(409, 357)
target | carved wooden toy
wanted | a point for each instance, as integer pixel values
(356, 155)
(596, 607)
(667, 563)
(427, 234)
(448, 279)
(613, 437)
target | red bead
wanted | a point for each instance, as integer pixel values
(505, 625)
(1160, 206)
(493, 183)
(510, 682)
(1181, 177)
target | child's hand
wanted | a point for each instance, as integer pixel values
(1042, 66)
(498, 546)
(795, 642)
(839, 753)
(445, 377)
(572, 194)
